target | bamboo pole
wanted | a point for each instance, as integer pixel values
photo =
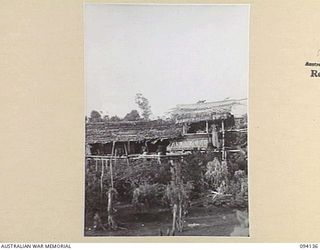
(101, 186)
(223, 140)
(110, 199)
(111, 174)
(113, 146)
(115, 158)
(174, 218)
(110, 217)
(126, 150)
(207, 127)
(180, 217)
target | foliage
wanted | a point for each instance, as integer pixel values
(114, 119)
(95, 116)
(105, 118)
(217, 175)
(132, 116)
(239, 189)
(150, 184)
(148, 195)
(144, 105)
(193, 169)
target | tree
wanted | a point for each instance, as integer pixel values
(144, 105)
(132, 116)
(106, 118)
(95, 116)
(115, 119)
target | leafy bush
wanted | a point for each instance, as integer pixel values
(150, 195)
(217, 174)
(149, 183)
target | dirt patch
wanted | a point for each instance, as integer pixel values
(199, 222)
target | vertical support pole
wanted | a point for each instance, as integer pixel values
(110, 217)
(96, 161)
(111, 174)
(207, 127)
(101, 186)
(111, 222)
(146, 144)
(113, 146)
(115, 156)
(126, 151)
(174, 219)
(112, 151)
(223, 140)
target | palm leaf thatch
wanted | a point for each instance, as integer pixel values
(106, 132)
(203, 111)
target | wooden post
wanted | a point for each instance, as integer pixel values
(113, 146)
(111, 222)
(223, 138)
(180, 225)
(126, 150)
(207, 127)
(146, 144)
(115, 156)
(111, 174)
(101, 187)
(174, 218)
(96, 161)
(110, 217)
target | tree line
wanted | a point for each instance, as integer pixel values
(133, 115)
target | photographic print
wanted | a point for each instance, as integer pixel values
(166, 126)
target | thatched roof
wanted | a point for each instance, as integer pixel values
(205, 110)
(105, 132)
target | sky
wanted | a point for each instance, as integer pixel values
(172, 54)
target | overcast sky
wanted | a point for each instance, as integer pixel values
(172, 54)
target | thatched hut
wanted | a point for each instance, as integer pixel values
(130, 137)
(200, 126)
(204, 124)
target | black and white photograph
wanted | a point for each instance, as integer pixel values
(166, 125)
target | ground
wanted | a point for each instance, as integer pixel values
(200, 221)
